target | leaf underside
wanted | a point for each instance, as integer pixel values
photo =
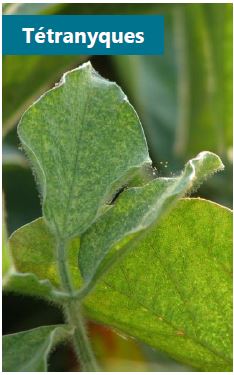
(28, 351)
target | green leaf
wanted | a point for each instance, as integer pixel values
(29, 350)
(22, 283)
(173, 292)
(29, 284)
(6, 257)
(5, 253)
(33, 249)
(136, 210)
(30, 252)
(84, 140)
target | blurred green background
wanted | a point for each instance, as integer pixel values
(184, 100)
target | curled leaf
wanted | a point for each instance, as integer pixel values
(135, 211)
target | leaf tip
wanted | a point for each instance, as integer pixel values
(210, 162)
(205, 164)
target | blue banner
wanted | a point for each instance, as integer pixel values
(83, 35)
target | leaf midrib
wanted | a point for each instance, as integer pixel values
(78, 150)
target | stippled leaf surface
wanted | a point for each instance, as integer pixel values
(84, 140)
(33, 249)
(20, 282)
(136, 210)
(174, 291)
(28, 350)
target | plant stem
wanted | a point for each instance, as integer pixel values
(81, 341)
(74, 316)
